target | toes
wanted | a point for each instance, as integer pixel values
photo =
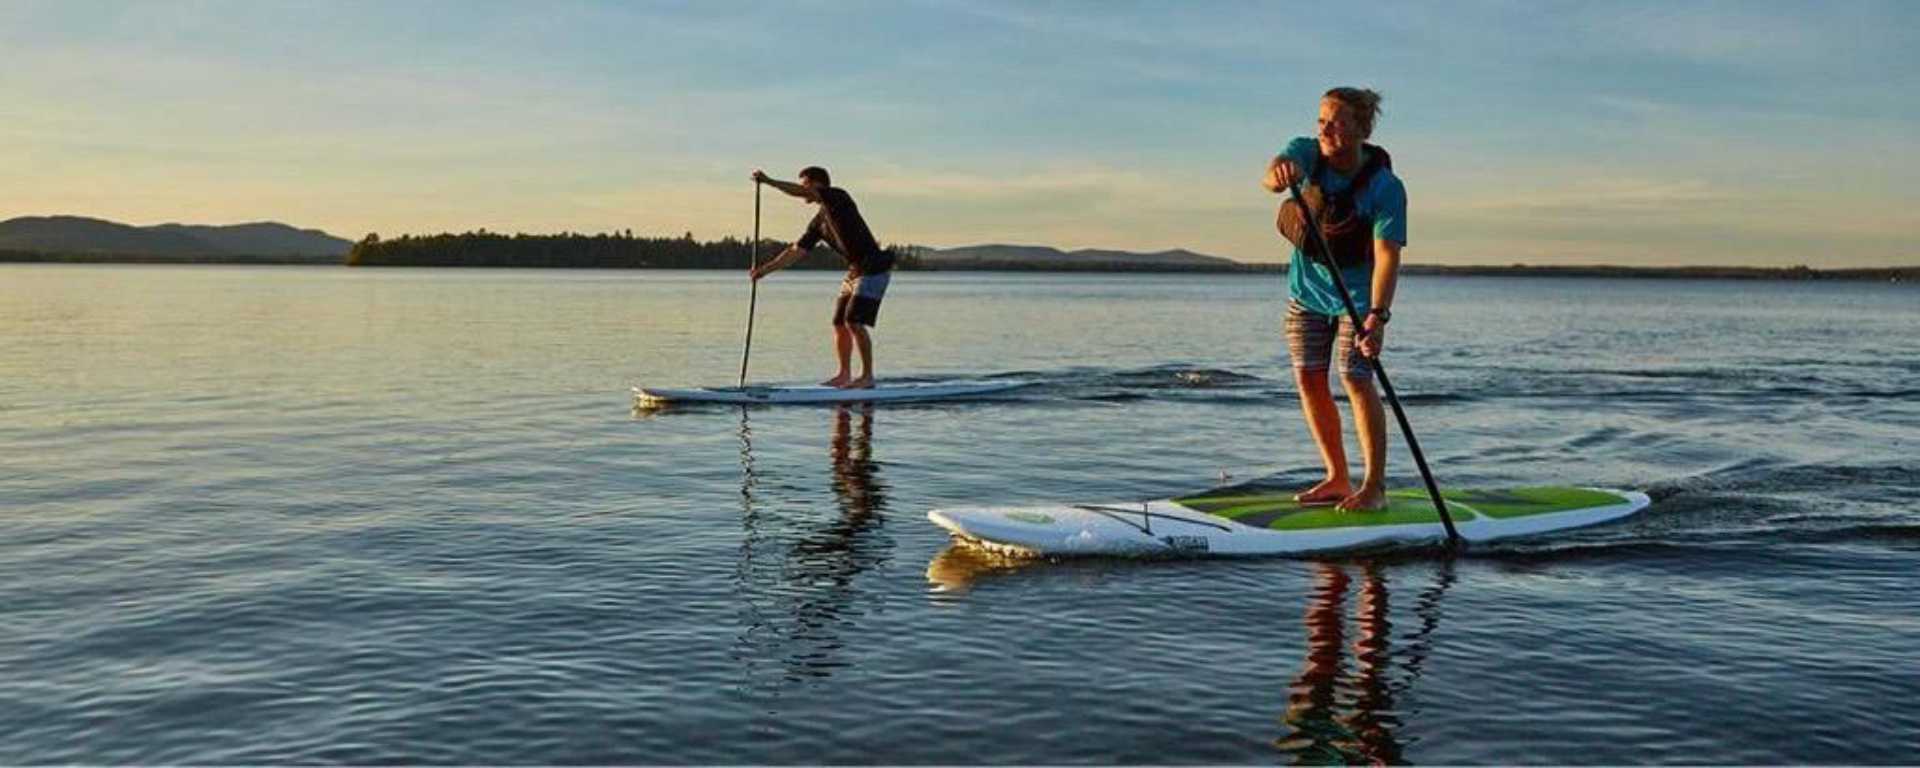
(1359, 503)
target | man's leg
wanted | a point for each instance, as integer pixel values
(1310, 344)
(842, 352)
(1370, 421)
(863, 311)
(842, 340)
(1323, 420)
(860, 337)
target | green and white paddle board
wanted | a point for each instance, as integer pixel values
(778, 394)
(1254, 519)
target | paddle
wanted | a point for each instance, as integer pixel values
(753, 297)
(1319, 242)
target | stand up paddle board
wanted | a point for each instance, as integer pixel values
(773, 394)
(1252, 519)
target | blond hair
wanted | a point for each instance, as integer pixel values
(1365, 103)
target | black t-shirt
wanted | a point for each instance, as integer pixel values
(839, 223)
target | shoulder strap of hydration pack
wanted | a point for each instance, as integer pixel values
(1377, 158)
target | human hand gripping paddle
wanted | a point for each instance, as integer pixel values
(1319, 246)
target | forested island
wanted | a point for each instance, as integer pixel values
(624, 251)
(620, 250)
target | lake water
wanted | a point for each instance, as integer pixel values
(321, 515)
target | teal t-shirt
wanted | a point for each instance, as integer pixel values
(1385, 200)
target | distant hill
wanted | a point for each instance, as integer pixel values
(74, 234)
(78, 235)
(264, 238)
(1044, 257)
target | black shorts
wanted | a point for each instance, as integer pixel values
(859, 302)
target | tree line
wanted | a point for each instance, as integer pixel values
(619, 250)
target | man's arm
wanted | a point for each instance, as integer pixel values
(801, 191)
(1281, 174)
(1285, 168)
(1386, 277)
(1386, 272)
(792, 254)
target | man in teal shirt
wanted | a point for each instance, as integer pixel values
(1320, 336)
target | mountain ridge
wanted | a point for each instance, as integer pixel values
(83, 234)
(969, 255)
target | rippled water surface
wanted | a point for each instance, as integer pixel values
(320, 515)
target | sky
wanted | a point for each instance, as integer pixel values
(1665, 133)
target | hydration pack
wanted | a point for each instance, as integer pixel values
(1349, 235)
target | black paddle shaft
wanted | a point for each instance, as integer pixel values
(1400, 414)
(753, 297)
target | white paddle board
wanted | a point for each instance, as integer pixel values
(1256, 520)
(814, 393)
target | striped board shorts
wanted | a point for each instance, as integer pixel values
(859, 301)
(1318, 342)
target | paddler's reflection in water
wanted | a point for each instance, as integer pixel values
(1341, 715)
(860, 494)
(829, 554)
(797, 599)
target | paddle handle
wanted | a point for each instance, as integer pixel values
(753, 296)
(1319, 244)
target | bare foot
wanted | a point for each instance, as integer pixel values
(864, 382)
(836, 382)
(1365, 500)
(1327, 492)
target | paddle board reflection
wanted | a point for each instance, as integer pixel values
(956, 569)
(1343, 705)
(799, 568)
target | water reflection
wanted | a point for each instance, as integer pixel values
(749, 480)
(1343, 705)
(798, 568)
(1361, 659)
(855, 475)
(753, 620)
(956, 569)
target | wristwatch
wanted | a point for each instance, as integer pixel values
(1386, 315)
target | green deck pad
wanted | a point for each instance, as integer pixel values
(1521, 502)
(1276, 510)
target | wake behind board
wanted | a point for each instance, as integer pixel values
(773, 394)
(1255, 520)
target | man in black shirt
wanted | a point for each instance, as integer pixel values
(868, 267)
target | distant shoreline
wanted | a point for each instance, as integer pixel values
(1874, 274)
(47, 257)
(1870, 274)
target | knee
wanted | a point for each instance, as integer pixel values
(1313, 386)
(1358, 386)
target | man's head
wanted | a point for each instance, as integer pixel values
(1346, 119)
(816, 177)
